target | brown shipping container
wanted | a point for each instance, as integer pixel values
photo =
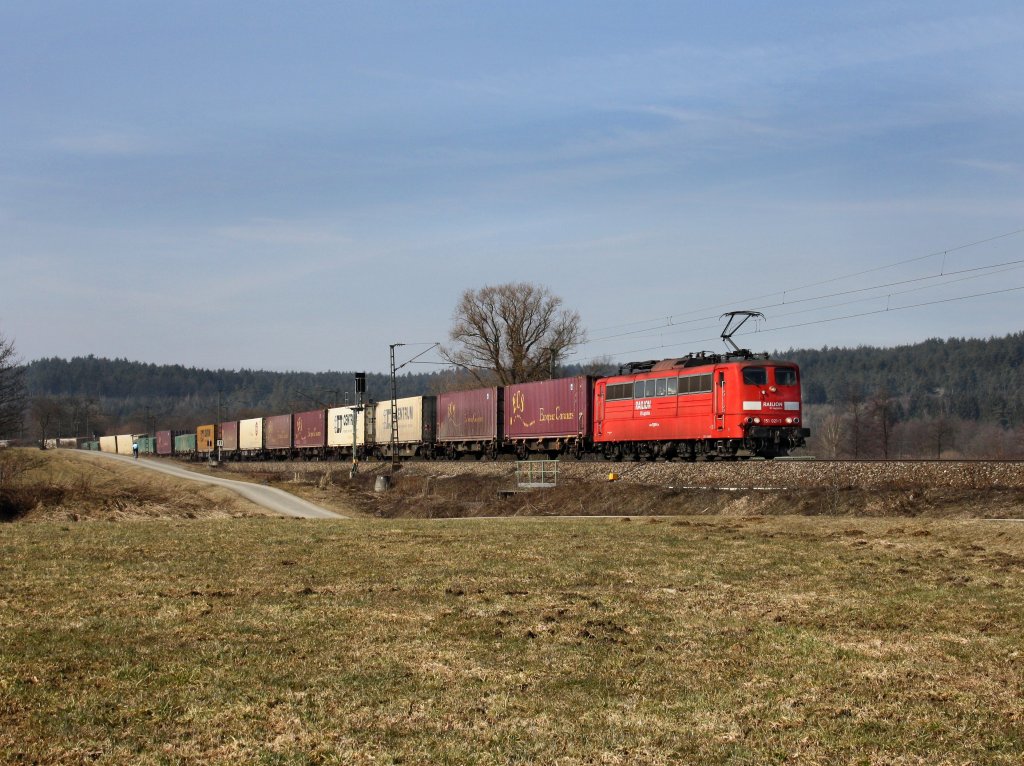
(309, 428)
(206, 438)
(164, 443)
(469, 415)
(277, 432)
(229, 436)
(549, 408)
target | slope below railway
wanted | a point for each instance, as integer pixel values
(464, 488)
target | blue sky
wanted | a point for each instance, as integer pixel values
(297, 185)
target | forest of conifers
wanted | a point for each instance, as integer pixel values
(940, 398)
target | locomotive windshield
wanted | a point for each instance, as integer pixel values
(785, 376)
(755, 376)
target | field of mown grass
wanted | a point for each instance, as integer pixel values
(693, 640)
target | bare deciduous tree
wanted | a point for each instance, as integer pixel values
(48, 414)
(12, 388)
(511, 333)
(830, 435)
(883, 417)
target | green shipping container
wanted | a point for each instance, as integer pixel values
(184, 444)
(147, 445)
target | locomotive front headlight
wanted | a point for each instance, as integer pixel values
(757, 420)
(789, 421)
(796, 421)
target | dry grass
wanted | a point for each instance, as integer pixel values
(55, 486)
(696, 640)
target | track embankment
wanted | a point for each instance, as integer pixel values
(746, 475)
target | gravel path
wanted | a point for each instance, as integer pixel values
(271, 498)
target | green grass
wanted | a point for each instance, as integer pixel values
(699, 640)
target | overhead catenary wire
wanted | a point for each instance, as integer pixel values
(672, 319)
(996, 268)
(887, 309)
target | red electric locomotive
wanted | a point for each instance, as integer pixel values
(701, 406)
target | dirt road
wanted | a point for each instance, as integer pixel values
(271, 498)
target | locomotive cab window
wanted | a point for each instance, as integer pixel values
(638, 389)
(617, 391)
(785, 376)
(755, 376)
(659, 389)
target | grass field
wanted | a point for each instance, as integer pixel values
(695, 640)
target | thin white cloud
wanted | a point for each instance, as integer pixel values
(991, 166)
(106, 144)
(291, 233)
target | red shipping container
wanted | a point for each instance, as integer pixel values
(469, 415)
(549, 408)
(310, 428)
(164, 443)
(277, 432)
(229, 436)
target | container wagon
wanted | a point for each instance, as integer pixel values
(124, 444)
(309, 433)
(550, 417)
(250, 437)
(340, 424)
(417, 426)
(470, 423)
(277, 436)
(185, 445)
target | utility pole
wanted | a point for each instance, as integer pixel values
(394, 412)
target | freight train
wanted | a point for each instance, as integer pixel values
(698, 407)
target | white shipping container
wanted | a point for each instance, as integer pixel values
(250, 434)
(124, 444)
(339, 427)
(410, 419)
(108, 444)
